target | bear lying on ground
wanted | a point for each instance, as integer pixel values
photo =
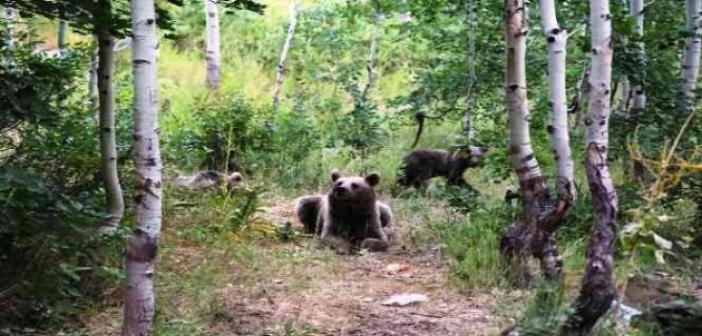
(210, 178)
(349, 216)
(424, 164)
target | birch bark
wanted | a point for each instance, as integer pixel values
(598, 289)
(280, 75)
(212, 54)
(638, 96)
(142, 245)
(691, 54)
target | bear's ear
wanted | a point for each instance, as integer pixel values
(335, 175)
(373, 179)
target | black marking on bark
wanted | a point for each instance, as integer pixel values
(136, 137)
(140, 61)
(528, 157)
(107, 129)
(555, 30)
(550, 129)
(513, 87)
(551, 39)
(150, 162)
(150, 21)
(594, 51)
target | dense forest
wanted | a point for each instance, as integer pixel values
(357, 167)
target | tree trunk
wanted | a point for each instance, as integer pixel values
(9, 14)
(691, 55)
(370, 63)
(523, 238)
(142, 245)
(468, 131)
(598, 289)
(61, 38)
(212, 56)
(108, 143)
(92, 76)
(280, 76)
(638, 96)
(557, 39)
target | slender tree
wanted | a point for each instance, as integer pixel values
(523, 238)
(372, 55)
(92, 76)
(557, 39)
(691, 54)
(61, 38)
(142, 245)
(597, 289)
(108, 142)
(637, 94)
(9, 15)
(472, 78)
(212, 54)
(280, 75)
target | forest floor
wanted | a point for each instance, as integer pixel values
(274, 288)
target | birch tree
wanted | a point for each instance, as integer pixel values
(212, 52)
(598, 289)
(523, 238)
(691, 54)
(280, 75)
(142, 245)
(372, 55)
(637, 94)
(61, 38)
(9, 14)
(472, 78)
(108, 142)
(557, 39)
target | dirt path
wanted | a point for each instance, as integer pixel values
(318, 293)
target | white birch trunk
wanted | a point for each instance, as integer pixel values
(638, 96)
(142, 245)
(468, 131)
(212, 54)
(108, 142)
(598, 289)
(280, 76)
(691, 54)
(9, 15)
(370, 63)
(557, 39)
(61, 38)
(92, 76)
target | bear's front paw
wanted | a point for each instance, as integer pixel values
(373, 244)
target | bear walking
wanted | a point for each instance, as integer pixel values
(424, 164)
(349, 216)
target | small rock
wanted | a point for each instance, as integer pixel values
(398, 268)
(404, 299)
(278, 281)
(367, 300)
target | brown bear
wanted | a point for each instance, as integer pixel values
(349, 216)
(424, 164)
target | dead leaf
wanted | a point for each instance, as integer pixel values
(398, 268)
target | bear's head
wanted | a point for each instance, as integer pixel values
(234, 180)
(353, 194)
(470, 156)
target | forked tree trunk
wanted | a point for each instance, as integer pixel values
(691, 55)
(212, 55)
(598, 289)
(557, 39)
(108, 142)
(472, 78)
(280, 75)
(638, 96)
(523, 238)
(142, 245)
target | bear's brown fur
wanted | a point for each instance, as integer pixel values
(349, 216)
(424, 164)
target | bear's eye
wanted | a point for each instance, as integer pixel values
(354, 185)
(337, 184)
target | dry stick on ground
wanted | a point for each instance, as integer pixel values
(280, 75)
(519, 241)
(142, 245)
(598, 290)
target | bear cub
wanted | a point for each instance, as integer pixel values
(349, 216)
(424, 164)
